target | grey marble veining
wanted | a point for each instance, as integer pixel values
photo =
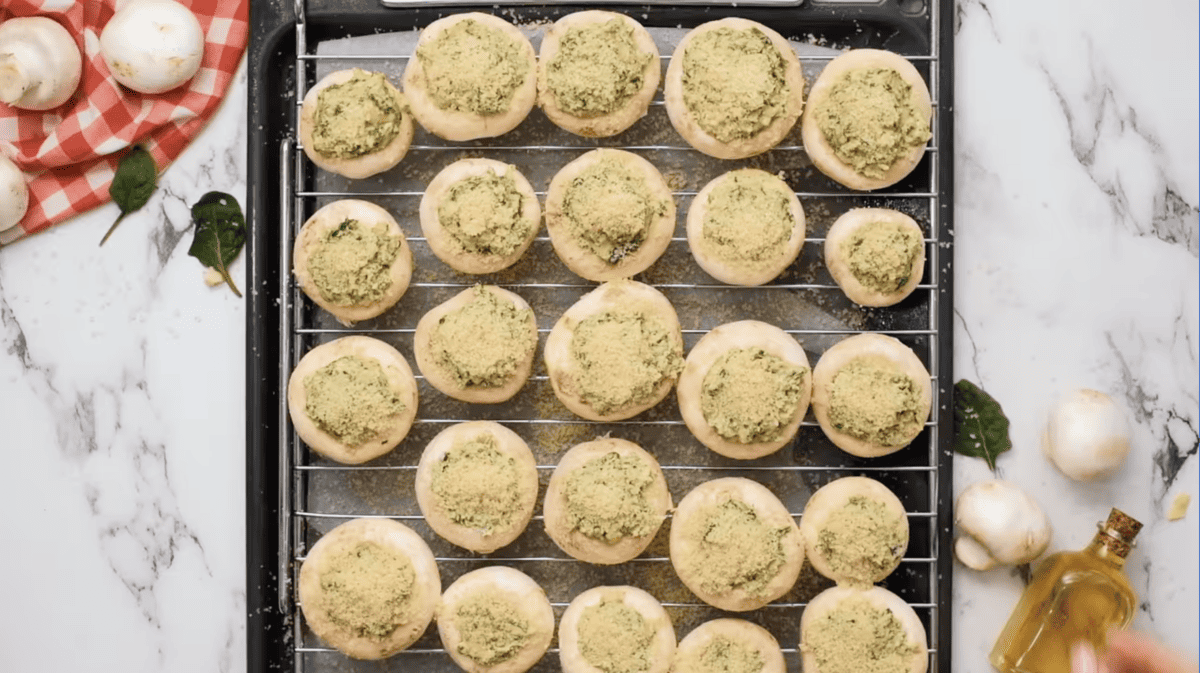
(1076, 233)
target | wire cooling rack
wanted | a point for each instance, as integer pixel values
(314, 494)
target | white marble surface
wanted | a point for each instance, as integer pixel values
(122, 374)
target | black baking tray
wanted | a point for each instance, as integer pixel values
(898, 25)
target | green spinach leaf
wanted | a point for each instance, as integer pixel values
(132, 185)
(220, 233)
(980, 426)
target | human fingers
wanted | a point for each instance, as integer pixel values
(1084, 659)
(1130, 652)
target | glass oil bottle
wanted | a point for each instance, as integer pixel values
(1072, 596)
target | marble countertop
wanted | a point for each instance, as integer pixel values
(1077, 235)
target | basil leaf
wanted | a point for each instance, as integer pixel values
(980, 426)
(220, 233)
(132, 185)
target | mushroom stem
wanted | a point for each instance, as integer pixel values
(972, 554)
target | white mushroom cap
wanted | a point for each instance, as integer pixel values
(40, 64)
(152, 46)
(1087, 436)
(1001, 525)
(14, 194)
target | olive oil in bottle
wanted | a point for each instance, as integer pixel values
(1072, 596)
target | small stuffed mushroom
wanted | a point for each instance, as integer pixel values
(353, 399)
(473, 75)
(868, 119)
(734, 544)
(479, 215)
(606, 501)
(745, 227)
(616, 352)
(351, 259)
(734, 88)
(871, 395)
(855, 531)
(478, 346)
(369, 588)
(609, 628)
(495, 620)
(597, 73)
(744, 389)
(876, 255)
(477, 485)
(355, 123)
(610, 214)
(726, 644)
(852, 629)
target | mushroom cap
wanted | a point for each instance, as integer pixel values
(685, 122)
(1087, 436)
(839, 266)
(308, 241)
(458, 125)
(400, 380)
(393, 536)
(14, 194)
(822, 154)
(618, 120)
(831, 599)
(690, 652)
(442, 242)
(662, 645)
(615, 295)
(152, 46)
(1003, 525)
(525, 596)
(706, 352)
(442, 378)
(571, 251)
(40, 63)
(510, 445)
(382, 159)
(572, 540)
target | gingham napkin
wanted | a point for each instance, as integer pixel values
(72, 151)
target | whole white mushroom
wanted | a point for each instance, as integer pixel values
(14, 194)
(152, 46)
(1001, 525)
(40, 64)
(1087, 436)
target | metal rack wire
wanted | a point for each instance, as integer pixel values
(300, 474)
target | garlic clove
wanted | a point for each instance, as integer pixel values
(40, 64)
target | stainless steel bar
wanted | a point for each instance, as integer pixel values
(285, 335)
(536, 517)
(803, 195)
(544, 330)
(664, 57)
(585, 148)
(721, 468)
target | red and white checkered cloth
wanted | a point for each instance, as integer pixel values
(72, 151)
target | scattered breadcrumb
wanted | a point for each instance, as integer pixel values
(1179, 507)
(212, 277)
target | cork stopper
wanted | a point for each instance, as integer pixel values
(1118, 532)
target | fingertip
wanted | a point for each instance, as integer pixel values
(1083, 658)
